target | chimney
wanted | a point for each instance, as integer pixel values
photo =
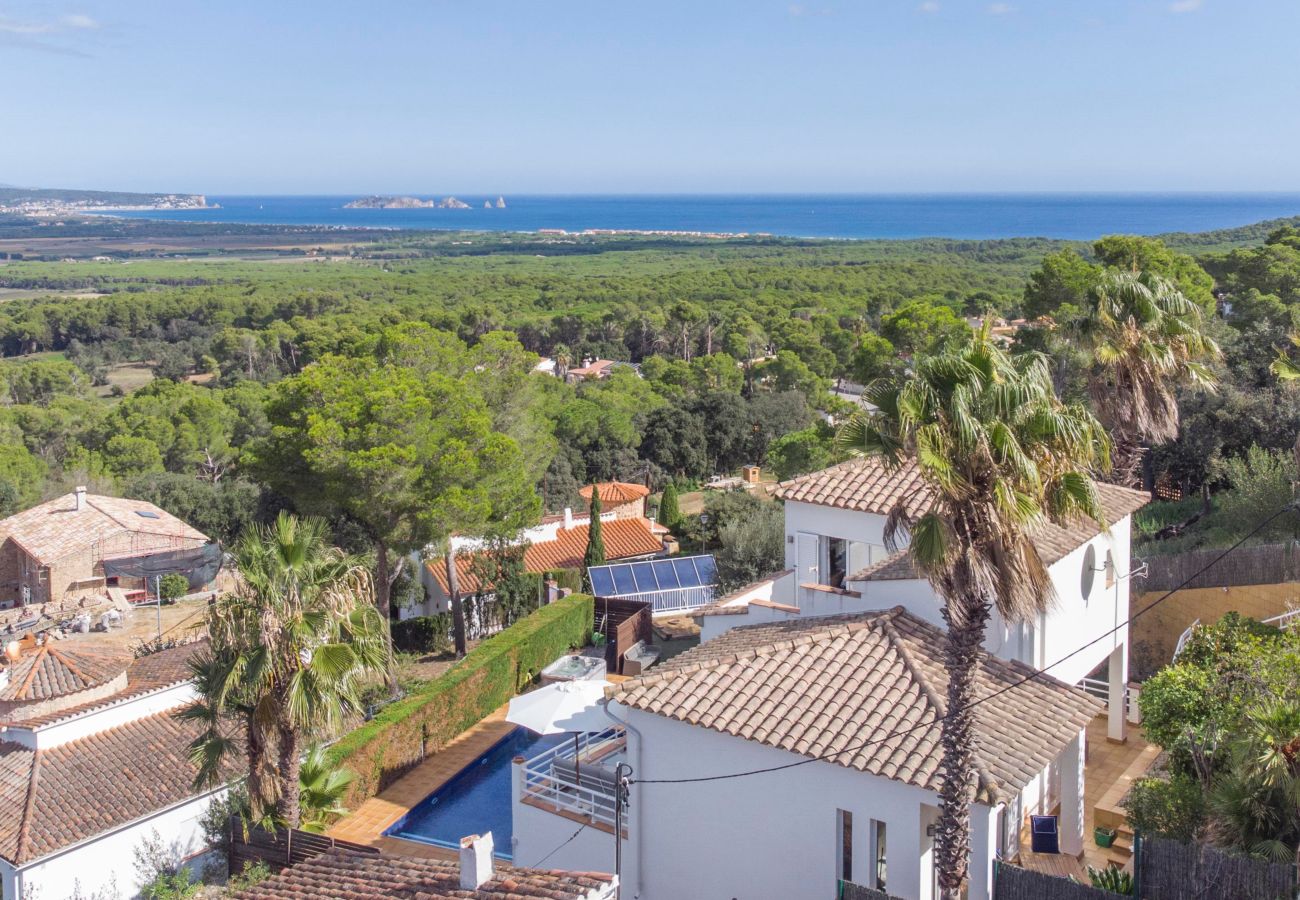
(475, 861)
(80, 493)
(568, 518)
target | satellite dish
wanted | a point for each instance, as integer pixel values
(1089, 573)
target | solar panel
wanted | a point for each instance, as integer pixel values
(694, 574)
(602, 581)
(685, 571)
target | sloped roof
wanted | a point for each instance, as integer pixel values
(58, 796)
(1054, 542)
(623, 539)
(862, 485)
(348, 875)
(616, 492)
(866, 692)
(55, 529)
(153, 672)
(52, 671)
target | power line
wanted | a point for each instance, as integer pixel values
(538, 864)
(1012, 686)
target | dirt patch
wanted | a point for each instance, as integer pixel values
(128, 376)
(182, 618)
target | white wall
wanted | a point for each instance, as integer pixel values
(1072, 622)
(830, 521)
(109, 859)
(770, 835)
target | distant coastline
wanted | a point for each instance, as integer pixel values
(856, 216)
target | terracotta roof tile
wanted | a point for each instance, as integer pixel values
(348, 875)
(156, 671)
(1054, 542)
(55, 797)
(56, 528)
(623, 539)
(52, 671)
(840, 686)
(617, 492)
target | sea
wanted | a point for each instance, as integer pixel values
(846, 216)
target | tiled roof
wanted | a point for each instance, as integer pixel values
(838, 687)
(615, 492)
(348, 875)
(719, 606)
(862, 485)
(55, 797)
(623, 539)
(1054, 542)
(52, 671)
(144, 675)
(56, 528)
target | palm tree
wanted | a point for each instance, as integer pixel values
(1146, 339)
(1255, 803)
(1001, 454)
(288, 650)
(322, 787)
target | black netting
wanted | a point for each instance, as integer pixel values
(199, 565)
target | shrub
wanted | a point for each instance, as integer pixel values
(1261, 482)
(423, 634)
(173, 586)
(1116, 881)
(1174, 700)
(252, 875)
(405, 732)
(1172, 808)
(1210, 645)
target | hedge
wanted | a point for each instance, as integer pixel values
(422, 634)
(405, 732)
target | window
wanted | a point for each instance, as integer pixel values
(837, 553)
(146, 514)
(844, 845)
(879, 854)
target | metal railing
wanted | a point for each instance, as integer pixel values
(674, 599)
(552, 779)
(1279, 621)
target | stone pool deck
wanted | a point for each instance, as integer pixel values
(367, 823)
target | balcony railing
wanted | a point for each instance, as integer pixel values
(579, 782)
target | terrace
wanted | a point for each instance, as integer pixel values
(575, 779)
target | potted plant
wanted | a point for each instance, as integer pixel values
(1103, 836)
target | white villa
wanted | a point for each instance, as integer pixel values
(93, 764)
(831, 673)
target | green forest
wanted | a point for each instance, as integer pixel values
(402, 366)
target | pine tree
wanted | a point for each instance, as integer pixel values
(595, 555)
(670, 516)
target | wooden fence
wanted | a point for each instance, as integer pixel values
(1014, 883)
(1170, 870)
(623, 622)
(279, 849)
(1265, 564)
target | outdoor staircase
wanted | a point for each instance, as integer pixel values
(1121, 852)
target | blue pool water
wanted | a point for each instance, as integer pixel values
(477, 798)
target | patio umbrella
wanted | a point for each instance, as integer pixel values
(564, 706)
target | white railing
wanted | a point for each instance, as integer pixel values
(1098, 687)
(571, 780)
(1184, 638)
(1283, 620)
(1280, 621)
(674, 599)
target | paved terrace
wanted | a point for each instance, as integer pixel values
(1109, 772)
(367, 823)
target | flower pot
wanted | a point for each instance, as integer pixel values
(1103, 836)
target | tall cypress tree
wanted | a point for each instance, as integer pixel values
(595, 555)
(670, 516)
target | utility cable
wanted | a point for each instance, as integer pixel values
(1012, 686)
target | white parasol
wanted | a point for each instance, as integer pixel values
(561, 707)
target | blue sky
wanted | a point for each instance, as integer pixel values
(487, 96)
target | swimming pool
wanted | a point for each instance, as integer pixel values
(476, 799)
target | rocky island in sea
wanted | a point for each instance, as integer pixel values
(405, 203)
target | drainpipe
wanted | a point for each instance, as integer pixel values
(634, 827)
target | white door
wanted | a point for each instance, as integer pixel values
(809, 557)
